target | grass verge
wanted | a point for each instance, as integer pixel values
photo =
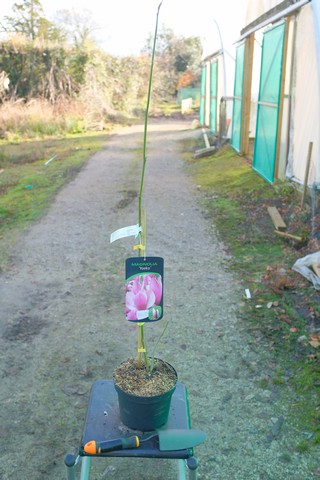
(31, 173)
(284, 308)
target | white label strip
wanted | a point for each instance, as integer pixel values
(132, 230)
(248, 294)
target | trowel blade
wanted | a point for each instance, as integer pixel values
(177, 439)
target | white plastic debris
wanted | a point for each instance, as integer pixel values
(305, 265)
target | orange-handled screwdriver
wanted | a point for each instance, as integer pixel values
(96, 448)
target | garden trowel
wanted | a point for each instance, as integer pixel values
(171, 439)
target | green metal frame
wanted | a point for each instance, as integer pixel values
(187, 469)
(103, 395)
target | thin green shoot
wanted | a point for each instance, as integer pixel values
(141, 337)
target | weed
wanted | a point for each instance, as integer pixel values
(278, 381)
(303, 446)
(316, 438)
(285, 457)
(263, 383)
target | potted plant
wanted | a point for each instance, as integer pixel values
(144, 384)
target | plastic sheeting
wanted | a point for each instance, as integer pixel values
(303, 126)
(306, 267)
(256, 8)
(305, 101)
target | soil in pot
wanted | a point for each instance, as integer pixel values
(138, 381)
(144, 398)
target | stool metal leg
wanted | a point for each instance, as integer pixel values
(182, 469)
(190, 466)
(85, 468)
(192, 463)
(70, 463)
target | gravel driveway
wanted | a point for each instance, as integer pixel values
(63, 325)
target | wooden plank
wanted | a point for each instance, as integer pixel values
(204, 152)
(281, 100)
(289, 236)
(277, 219)
(306, 175)
(246, 105)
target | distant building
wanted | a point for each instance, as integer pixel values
(277, 89)
(275, 106)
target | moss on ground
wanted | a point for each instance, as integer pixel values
(284, 309)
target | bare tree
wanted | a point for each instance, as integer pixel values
(78, 25)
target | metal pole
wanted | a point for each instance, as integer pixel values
(192, 463)
(182, 470)
(223, 61)
(85, 468)
(70, 463)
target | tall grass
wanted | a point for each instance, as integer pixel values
(31, 133)
(38, 119)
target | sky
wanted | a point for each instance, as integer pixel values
(124, 25)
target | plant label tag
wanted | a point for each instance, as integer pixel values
(132, 230)
(144, 289)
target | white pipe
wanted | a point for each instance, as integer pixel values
(223, 60)
(50, 159)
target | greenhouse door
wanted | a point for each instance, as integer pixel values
(237, 99)
(265, 147)
(213, 96)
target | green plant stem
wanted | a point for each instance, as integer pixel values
(142, 339)
(143, 343)
(156, 345)
(146, 117)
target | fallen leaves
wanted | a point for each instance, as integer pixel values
(314, 341)
(278, 278)
(272, 304)
(294, 330)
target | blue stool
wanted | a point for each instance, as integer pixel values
(103, 423)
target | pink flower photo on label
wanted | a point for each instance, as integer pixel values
(143, 297)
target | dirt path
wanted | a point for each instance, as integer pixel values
(62, 325)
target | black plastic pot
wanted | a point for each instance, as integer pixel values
(144, 413)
